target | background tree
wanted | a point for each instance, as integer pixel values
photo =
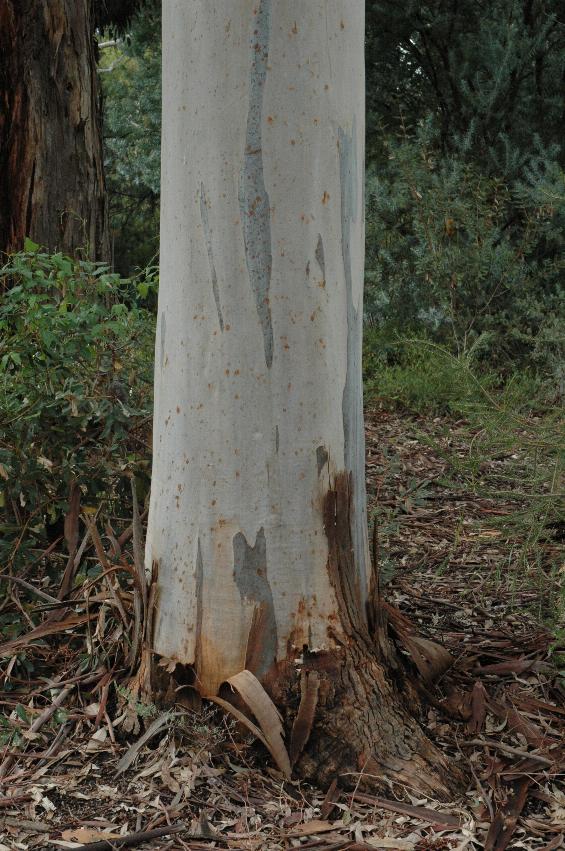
(51, 158)
(257, 526)
(50, 145)
(130, 71)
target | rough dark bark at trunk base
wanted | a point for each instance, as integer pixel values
(51, 166)
(363, 730)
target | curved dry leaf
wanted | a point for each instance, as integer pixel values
(252, 692)
(431, 659)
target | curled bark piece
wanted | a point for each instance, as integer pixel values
(302, 727)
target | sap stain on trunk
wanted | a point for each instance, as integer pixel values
(253, 197)
(250, 574)
(208, 240)
(352, 400)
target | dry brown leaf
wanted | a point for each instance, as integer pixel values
(431, 659)
(478, 708)
(252, 692)
(43, 630)
(134, 749)
(85, 834)
(311, 828)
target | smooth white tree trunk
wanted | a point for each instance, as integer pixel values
(258, 395)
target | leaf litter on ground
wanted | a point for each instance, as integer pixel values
(77, 773)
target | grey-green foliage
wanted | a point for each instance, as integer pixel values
(465, 180)
(474, 260)
(131, 78)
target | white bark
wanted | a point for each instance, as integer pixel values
(258, 355)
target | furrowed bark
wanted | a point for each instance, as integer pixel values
(51, 165)
(258, 518)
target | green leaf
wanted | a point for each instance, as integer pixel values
(30, 247)
(21, 713)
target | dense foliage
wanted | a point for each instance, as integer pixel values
(488, 73)
(130, 68)
(469, 259)
(75, 391)
(466, 189)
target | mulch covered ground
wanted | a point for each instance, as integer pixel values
(84, 764)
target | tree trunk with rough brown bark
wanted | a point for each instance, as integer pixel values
(51, 166)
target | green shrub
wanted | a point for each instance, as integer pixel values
(76, 357)
(469, 260)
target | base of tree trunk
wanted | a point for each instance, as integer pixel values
(350, 711)
(363, 731)
(363, 734)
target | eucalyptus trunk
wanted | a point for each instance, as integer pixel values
(51, 165)
(257, 525)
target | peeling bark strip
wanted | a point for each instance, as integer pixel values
(343, 573)
(250, 574)
(304, 721)
(253, 197)
(208, 240)
(352, 401)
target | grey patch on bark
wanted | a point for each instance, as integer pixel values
(321, 458)
(208, 240)
(320, 259)
(308, 269)
(277, 441)
(199, 582)
(352, 400)
(250, 574)
(162, 341)
(253, 197)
